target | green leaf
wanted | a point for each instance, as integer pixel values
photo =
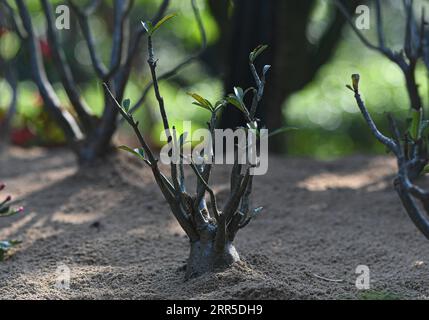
(148, 27)
(219, 105)
(232, 99)
(126, 104)
(416, 119)
(162, 21)
(281, 130)
(201, 102)
(239, 93)
(426, 169)
(349, 87)
(138, 152)
(4, 211)
(253, 125)
(256, 52)
(236, 99)
(201, 105)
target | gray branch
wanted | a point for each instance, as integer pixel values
(63, 118)
(64, 70)
(181, 65)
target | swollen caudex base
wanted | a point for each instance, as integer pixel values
(203, 258)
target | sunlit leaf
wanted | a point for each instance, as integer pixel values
(162, 21)
(256, 52)
(148, 27)
(201, 102)
(253, 125)
(138, 152)
(239, 93)
(201, 105)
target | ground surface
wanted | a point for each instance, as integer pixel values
(110, 226)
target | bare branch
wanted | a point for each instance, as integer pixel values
(419, 219)
(152, 65)
(83, 19)
(121, 12)
(165, 186)
(379, 20)
(355, 29)
(383, 50)
(65, 72)
(213, 200)
(229, 211)
(380, 137)
(396, 135)
(64, 119)
(182, 64)
(17, 26)
(207, 167)
(235, 172)
(133, 48)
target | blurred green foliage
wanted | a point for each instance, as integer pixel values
(329, 121)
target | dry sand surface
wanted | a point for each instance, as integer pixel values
(111, 227)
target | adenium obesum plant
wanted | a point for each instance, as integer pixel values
(211, 229)
(410, 145)
(6, 211)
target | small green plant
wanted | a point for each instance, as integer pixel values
(211, 229)
(7, 211)
(410, 143)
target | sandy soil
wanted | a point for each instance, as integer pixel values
(110, 226)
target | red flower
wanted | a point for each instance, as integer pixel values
(21, 137)
(3, 31)
(45, 48)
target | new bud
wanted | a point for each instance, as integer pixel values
(355, 81)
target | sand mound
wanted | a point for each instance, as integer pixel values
(111, 227)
